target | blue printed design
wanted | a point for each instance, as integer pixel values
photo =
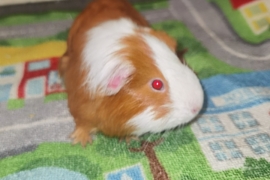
(210, 124)
(230, 144)
(39, 65)
(132, 173)
(8, 71)
(243, 120)
(236, 154)
(35, 87)
(4, 92)
(260, 143)
(225, 150)
(232, 100)
(54, 78)
(221, 156)
(224, 93)
(54, 82)
(50, 173)
(215, 146)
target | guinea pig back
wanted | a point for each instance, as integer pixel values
(124, 78)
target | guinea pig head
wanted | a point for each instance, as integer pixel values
(170, 91)
(143, 69)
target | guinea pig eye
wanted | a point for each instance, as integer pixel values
(157, 84)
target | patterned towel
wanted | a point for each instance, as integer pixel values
(228, 47)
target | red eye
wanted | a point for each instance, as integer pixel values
(157, 84)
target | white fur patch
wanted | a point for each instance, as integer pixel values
(184, 89)
(99, 57)
(145, 122)
(101, 63)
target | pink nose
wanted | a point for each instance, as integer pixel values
(195, 110)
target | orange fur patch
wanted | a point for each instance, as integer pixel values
(110, 114)
(139, 53)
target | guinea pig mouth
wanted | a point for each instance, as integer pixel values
(183, 115)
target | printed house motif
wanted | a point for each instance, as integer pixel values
(10, 77)
(235, 120)
(233, 136)
(30, 79)
(40, 79)
(255, 12)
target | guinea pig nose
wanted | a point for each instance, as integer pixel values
(195, 110)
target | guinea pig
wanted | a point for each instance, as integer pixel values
(123, 78)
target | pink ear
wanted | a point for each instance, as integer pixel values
(118, 80)
(115, 82)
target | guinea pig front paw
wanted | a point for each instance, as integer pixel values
(128, 139)
(82, 136)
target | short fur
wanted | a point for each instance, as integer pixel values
(112, 56)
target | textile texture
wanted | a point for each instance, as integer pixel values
(228, 48)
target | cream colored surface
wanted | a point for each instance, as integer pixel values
(12, 2)
(232, 134)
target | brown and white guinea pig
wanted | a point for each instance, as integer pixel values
(122, 77)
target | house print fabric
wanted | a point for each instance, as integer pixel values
(236, 121)
(256, 14)
(250, 19)
(30, 79)
(228, 48)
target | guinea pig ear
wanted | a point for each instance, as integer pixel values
(118, 78)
